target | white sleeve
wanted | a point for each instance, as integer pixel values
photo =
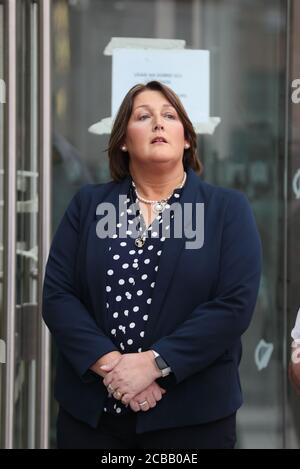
(296, 331)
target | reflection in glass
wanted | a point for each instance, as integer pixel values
(27, 211)
(293, 231)
(248, 71)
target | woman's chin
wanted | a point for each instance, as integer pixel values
(162, 159)
(158, 161)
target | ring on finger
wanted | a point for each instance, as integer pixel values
(141, 404)
(117, 395)
(110, 389)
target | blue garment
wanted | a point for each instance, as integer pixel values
(202, 303)
(130, 282)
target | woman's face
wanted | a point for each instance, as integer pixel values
(152, 117)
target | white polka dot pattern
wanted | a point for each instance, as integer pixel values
(131, 277)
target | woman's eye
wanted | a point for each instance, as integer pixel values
(144, 116)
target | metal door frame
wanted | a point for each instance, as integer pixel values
(44, 217)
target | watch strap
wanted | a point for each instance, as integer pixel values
(161, 364)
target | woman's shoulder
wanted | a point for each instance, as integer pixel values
(88, 191)
(230, 206)
(89, 196)
(223, 195)
(96, 187)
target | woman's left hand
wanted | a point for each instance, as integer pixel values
(148, 398)
(134, 373)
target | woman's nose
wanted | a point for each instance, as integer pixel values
(157, 126)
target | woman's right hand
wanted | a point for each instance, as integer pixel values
(107, 358)
(152, 394)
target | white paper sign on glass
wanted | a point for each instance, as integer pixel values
(185, 71)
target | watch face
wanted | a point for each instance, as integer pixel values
(161, 363)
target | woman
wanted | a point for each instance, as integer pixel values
(294, 365)
(148, 323)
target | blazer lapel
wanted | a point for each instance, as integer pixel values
(97, 255)
(169, 258)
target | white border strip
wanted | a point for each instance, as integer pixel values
(142, 43)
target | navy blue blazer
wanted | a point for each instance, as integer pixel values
(202, 303)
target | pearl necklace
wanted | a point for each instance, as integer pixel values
(158, 206)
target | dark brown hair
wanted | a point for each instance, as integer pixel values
(119, 160)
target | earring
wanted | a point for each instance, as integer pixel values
(123, 148)
(186, 146)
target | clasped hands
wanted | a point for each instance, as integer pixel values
(131, 377)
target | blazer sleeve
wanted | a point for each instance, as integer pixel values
(73, 327)
(216, 325)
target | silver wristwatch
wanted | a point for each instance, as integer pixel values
(161, 364)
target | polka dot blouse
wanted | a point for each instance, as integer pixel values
(130, 282)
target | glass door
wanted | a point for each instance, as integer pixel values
(27, 228)
(247, 44)
(247, 152)
(25, 220)
(293, 219)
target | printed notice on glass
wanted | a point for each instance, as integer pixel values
(185, 71)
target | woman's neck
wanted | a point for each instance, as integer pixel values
(156, 186)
